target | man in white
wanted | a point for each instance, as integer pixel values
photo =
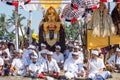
(73, 67)
(29, 58)
(68, 51)
(49, 67)
(43, 57)
(96, 66)
(77, 49)
(1, 66)
(114, 60)
(43, 47)
(34, 67)
(58, 56)
(19, 65)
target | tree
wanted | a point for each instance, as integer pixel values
(11, 20)
(3, 24)
(72, 30)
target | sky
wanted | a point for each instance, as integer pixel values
(36, 15)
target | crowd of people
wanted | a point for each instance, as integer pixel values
(73, 62)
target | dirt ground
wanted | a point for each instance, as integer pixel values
(116, 76)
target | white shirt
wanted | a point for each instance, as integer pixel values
(58, 58)
(112, 60)
(19, 63)
(81, 56)
(41, 60)
(96, 65)
(1, 62)
(34, 67)
(67, 53)
(71, 65)
(25, 53)
(50, 66)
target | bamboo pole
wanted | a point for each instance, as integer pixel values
(16, 28)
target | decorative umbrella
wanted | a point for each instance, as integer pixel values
(70, 14)
(16, 2)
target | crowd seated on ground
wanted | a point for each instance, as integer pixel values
(73, 63)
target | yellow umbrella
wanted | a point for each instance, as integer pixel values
(51, 3)
(35, 36)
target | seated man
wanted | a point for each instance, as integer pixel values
(73, 67)
(58, 56)
(33, 67)
(49, 67)
(19, 65)
(43, 57)
(114, 61)
(1, 66)
(95, 68)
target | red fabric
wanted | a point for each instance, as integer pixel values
(55, 74)
(62, 16)
(75, 7)
(94, 7)
(74, 20)
(29, 1)
(42, 75)
(15, 3)
(118, 0)
(103, 0)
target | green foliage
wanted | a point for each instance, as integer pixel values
(11, 21)
(71, 30)
(3, 24)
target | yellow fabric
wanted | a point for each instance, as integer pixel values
(99, 42)
(50, 1)
(35, 36)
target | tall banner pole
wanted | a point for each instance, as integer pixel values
(30, 24)
(16, 28)
(109, 36)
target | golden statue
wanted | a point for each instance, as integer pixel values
(51, 30)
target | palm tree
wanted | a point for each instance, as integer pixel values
(3, 24)
(11, 20)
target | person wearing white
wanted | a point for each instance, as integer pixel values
(115, 59)
(43, 47)
(50, 67)
(19, 65)
(73, 67)
(68, 51)
(31, 53)
(58, 56)
(1, 66)
(43, 57)
(33, 68)
(95, 68)
(76, 49)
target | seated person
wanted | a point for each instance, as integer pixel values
(43, 57)
(49, 67)
(58, 56)
(1, 66)
(114, 61)
(95, 68)
(73, 67)
(33, 68)
(19, 65)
